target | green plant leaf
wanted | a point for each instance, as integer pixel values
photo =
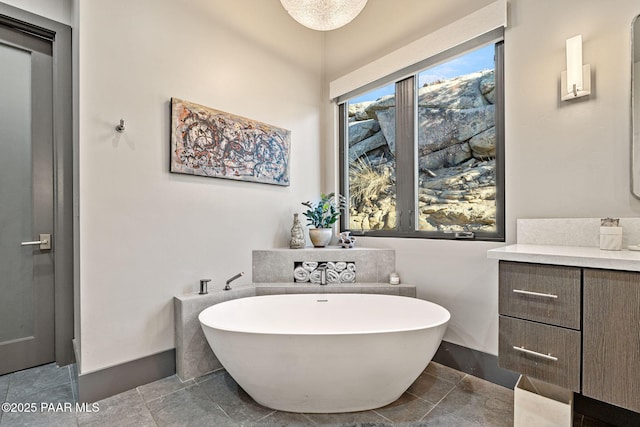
(326, 212)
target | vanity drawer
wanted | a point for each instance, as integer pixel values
(543, 293)
(543, 344)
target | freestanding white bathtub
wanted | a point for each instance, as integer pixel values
(322, 353)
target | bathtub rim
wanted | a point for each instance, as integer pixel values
(444, 321)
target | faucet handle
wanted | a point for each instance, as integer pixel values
(203, 286)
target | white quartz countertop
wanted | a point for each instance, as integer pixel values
(578, 256)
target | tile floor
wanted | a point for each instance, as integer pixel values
(441, 396)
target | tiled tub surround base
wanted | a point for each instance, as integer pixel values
(275, 265)
(272, 273)
(195, 358)
(402, 290)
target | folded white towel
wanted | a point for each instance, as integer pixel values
(347, 276)
(300, 274)
(309, 265)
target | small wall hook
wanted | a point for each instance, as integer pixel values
(120, 127)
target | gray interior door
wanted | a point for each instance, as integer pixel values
(26, 201)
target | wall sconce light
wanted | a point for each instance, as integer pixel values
(576, 81)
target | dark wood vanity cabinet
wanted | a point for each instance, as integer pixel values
(611, 337)
(542, 293)
(540, 318)
(578, 328)
(524, 344)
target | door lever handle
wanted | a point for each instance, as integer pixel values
(44, 242)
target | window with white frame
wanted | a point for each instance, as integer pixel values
(423, 155)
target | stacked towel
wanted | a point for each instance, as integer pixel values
(300, 274)
(337, 272)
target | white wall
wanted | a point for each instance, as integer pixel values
(562, 159)
(57, 10)
(145, 234)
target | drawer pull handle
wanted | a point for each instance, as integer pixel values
(535, 353)
(535, 294)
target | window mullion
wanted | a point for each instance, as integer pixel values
(405, 155)
(343, 169)
(500, 137)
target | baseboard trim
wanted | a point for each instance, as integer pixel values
(98, 385)
(476, 363)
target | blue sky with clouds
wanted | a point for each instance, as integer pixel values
(476, 60)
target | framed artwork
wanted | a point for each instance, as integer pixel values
(216, 144)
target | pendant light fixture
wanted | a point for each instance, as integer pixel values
(323, 15)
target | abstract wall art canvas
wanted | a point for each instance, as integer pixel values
(213, 143)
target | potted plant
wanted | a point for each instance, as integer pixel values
(322, 216)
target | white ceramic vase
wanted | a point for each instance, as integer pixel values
(320, 237)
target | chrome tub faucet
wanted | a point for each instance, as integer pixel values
(237, 276)
(322, 268)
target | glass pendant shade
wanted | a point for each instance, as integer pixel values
(323, 15)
